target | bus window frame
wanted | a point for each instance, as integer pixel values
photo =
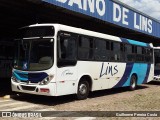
(62, 62)
(111, 49)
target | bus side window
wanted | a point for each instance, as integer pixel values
(157, 57)
(116, 50)
(85, 48)
(67, 49)
(148, 55)
(101, 49)
(129, 55)
(139, 56)
(122, 52)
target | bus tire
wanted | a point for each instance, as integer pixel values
(133, 82)
(83, 90)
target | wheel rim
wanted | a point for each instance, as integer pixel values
(82, 89)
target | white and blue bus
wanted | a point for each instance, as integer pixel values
(55, 60)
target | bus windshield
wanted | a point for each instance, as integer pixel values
(34, 54)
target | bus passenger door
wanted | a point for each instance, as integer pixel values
(66, 63)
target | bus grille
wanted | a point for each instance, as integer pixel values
(29, 88)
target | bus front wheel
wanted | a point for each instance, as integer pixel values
(83, 90)
(133, 82)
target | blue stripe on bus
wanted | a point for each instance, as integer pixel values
(23, 76)
(148, 45)
(138, 43)
(33, 77)
(140, 70)
(124, 40)
(147, 74)
(37, 77)
(125, 76)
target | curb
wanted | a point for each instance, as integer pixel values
(9, 96)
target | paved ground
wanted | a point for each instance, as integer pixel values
(145, 98)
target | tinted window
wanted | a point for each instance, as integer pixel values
(85, 49)
(148, 55)
(134, 49)
(116, 49)
(101, 49)
(157, 57)
(129, 53)
(139, 56)
(67, 49)
(139, 50)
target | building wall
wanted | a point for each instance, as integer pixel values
(112, 12)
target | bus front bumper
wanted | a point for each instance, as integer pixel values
(47, 90)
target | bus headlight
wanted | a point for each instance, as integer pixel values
(14, 78)
(46, 80)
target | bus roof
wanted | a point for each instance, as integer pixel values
(156, 47)
(93, 34)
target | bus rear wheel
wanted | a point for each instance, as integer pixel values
(133, 82)
(83, 90)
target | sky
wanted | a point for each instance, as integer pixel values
(149, 7)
